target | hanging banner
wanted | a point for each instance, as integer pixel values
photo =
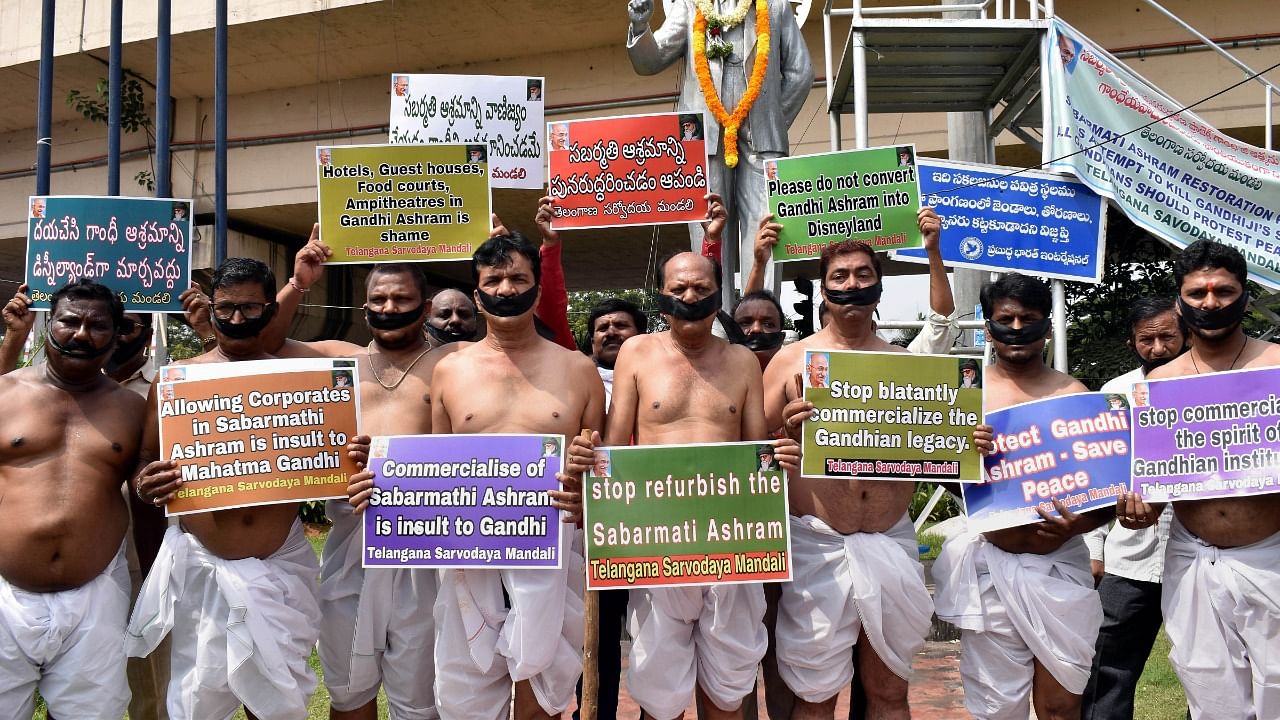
(502, 113)
(464, 501)
(667, 515)
(871, 195)
(1031, 222)
(633, 170)
(891, 416)
(258, 432)
(1207, 436)
(1070, 448)
(1171, 172)
(138, 247)
(402, 203)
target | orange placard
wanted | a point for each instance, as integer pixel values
(259, 432)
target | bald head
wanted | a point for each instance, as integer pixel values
(453, 316)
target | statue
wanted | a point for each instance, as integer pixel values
(731, 73)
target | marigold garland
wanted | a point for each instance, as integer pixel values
(731, 122)
(739, 13)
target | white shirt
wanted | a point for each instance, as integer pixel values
(606, 375)
(1133, 554)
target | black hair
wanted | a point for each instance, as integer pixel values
(846, 247)
(1030, 292)
(239, 270)
(1209, 255)
(497, 251)
(614, 305)
(411, 269)
(761, 295)
(662, 268)
(1146, 308)
(86, 289)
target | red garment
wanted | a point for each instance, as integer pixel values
(553, 307)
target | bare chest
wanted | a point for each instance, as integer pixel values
(402, 409)
(688, 394)
(515, 402)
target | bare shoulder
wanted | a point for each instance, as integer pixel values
(335, 348)
(1267, 354)
(741, 358)
(1176, 367)
(1063, 384)
(125, 399)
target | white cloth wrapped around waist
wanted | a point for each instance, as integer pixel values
(373, 609)
(893, 603)
(1049, 599)
(255, 659)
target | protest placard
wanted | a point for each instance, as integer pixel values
(1207, 436)
(633, 170)
(891, 416)
(403, 203)
(1001, 219)
(702, 514)
(138, 247)
(464, 501)
(502, 113)
(1171, 172)
(1071, 448)
(871, 195)
(258, 432)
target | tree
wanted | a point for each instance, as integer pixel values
(581, 302)
(133, 114)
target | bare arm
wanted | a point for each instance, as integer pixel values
(308, 267)
(440, 423)
(941, 300)
(652, 52)
(621, 424)
(18, 321)
(762, 252)
(155, 479)
(778, 380)
(753, 423)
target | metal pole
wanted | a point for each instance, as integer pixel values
(833, 115)
(220, 135)
(858, 56)
(115, 98)
(1267, 106)
(44, 107)
(1205, 39)
(1046, 154)
(163, 101)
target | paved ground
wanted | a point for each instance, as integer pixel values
(935, 691)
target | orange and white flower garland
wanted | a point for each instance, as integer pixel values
(731, 121)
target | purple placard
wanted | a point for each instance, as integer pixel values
(463, 501)
(1071, 448)
(1207, 436)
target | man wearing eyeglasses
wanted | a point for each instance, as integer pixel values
(223, 572)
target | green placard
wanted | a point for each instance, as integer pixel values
(891, 416)
(686, 515)
(871, 195)
(403, 203)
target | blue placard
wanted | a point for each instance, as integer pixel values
(138, 247)
(1032, 222)
(1073, 448)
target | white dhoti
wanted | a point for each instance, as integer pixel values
(1222, 612)
(242, 629)
(713, 635)
(844, 585)
(68, 645)
(378, 625)
(1010, 608)
(484, 644)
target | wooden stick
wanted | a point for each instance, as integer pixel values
(591, 640)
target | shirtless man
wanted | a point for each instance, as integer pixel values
(511, 381)
(69, 440)
(852, 540)
(676, 387)
(1221, 596)
(246, 615)
(377, 630)
(1023, 597)
(452, 318)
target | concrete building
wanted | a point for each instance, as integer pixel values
(308, 72)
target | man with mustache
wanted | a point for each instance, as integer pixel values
(1221, 595)
(677, 387)
(496, 627)
(611, 323)
(1130, 563)
(1022, 597)
(236, 587)
(64, 584)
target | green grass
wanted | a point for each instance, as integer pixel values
(933, 541)
(1159, 695)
